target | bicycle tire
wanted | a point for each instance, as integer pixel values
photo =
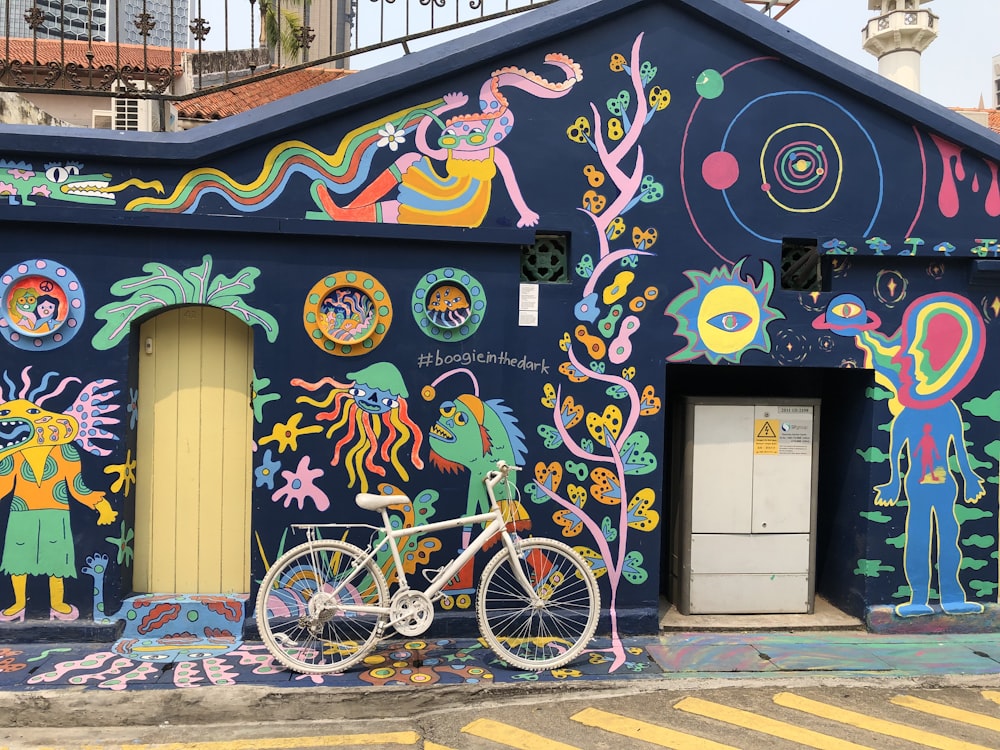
(545, 637)
(297, 617)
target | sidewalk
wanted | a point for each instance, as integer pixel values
(60, 684)
(420, 663)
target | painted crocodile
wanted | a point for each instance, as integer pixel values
(61, 181)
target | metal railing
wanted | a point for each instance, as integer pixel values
(149, 48)
(177, 49)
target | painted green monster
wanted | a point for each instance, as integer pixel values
(473, 434)
(21, 184)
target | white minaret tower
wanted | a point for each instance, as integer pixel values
(898, 36)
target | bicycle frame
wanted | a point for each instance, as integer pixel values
(493, 519)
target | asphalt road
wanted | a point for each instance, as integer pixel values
(898, 715)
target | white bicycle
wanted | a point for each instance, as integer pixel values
(325, 604)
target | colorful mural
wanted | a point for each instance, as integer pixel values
(471, 435)
(40, 469)
(934, 354)
(163, 287)
(62, 181)
(606, 444)
(374, 400)
(43, 304)
(676, 171)
(467, 147)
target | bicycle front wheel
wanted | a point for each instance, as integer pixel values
(551, 622)
(305, 606)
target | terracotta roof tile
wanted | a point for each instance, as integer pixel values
(995, 120)
(219, 104)
(105, 53)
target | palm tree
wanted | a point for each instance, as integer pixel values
(278, 25)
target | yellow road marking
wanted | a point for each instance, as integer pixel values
(642, 730)
(758, 723)
(880, 726)
(505, 734)
(948, 712)
(991, 695)
(279, 743)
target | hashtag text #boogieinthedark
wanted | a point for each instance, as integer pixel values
(437, 359)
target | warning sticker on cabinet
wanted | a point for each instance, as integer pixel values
(782, 437)
(765, 437)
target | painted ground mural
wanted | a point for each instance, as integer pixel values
(678, 174)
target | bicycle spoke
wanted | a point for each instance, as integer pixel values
(551, 624)
(304, 607)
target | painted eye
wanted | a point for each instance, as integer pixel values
(476, 137)
(57, 174)
(72, 169)
(390, 403)
(34, 411)
(847, 310)
(358, 392)
(447, 409)
(4, 412)
(731, 321)
(461, 418)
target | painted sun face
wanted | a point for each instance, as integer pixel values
(25, 425)
(728, 319)
(724, 315)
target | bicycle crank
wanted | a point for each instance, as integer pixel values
(411, 612)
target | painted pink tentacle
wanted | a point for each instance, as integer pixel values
(633, 396)
(632, 136)
(300, 383)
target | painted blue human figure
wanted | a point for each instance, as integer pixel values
(932, 496)
(931, 357)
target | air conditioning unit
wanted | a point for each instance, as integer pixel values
(134, 114)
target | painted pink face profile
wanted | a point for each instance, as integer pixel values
(942, 338)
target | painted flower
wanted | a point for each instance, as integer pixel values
(123, 544)
(299, 487)
(390, 137)
(265, 473)
(7, 189)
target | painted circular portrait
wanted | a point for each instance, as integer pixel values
(347, 313)
(43, 304)
(448, 304)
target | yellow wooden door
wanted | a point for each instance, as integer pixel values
(194, 468)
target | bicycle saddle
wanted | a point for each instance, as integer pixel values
(369, 501)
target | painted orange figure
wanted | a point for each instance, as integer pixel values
(40, 471)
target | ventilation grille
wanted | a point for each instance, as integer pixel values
(801, 266)
(547, 261)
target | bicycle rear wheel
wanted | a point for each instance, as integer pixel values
(300, 604)
(552, 624)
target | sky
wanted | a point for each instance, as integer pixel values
(955, 70)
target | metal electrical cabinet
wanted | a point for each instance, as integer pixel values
(748, 521)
